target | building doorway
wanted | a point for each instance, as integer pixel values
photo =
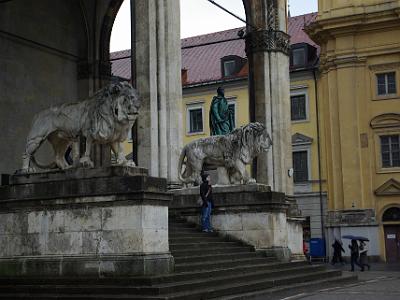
(392, 234)
(392, 243)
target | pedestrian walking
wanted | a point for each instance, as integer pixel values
(355, 255)
(337, 252)
(364, 255)
(206, 196)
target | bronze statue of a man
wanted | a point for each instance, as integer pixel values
(221, 117)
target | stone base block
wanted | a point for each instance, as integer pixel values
(87, 266)
(95, 222)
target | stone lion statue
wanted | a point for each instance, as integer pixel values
(232, 151)
(105, 118)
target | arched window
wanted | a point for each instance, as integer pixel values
(391, 214)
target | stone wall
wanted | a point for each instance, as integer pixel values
(34, 77)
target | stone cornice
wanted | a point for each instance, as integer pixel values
(325, 28)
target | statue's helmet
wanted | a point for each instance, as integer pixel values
(220, 90)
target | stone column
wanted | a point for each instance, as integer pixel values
(267, 46)
(158, 70)
(146, 81)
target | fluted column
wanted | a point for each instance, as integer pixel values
(267, 47)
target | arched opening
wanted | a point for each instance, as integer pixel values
(391, 224)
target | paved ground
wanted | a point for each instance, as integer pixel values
(382, 282)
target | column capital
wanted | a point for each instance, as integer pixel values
(267, 40)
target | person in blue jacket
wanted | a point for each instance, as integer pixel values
(206, 196)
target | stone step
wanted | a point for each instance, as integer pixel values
(226, 271)
(249, 286)
(234, 277)
(285, 291)
(196, 239)
(193, 288)
(203, 245)
(153, 280)
(197, 266)
(214, 257)
(226, 250)
(196, 233)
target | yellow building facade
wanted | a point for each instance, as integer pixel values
(360, 105)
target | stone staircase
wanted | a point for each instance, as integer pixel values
(207, 266)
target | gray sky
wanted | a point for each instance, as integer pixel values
(199, 17)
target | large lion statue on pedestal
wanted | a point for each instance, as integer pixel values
(105, 118)
(232, 151)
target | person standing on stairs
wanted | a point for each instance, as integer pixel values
(206, 196)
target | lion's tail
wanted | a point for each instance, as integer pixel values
(51, 165)
(180, 165)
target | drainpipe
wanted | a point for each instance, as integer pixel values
(319, 160)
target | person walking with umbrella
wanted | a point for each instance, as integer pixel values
(354, 255)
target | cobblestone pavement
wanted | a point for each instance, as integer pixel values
(381, 283)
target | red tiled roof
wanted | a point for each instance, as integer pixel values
(296, 26)
(201, 55)
(121, 63)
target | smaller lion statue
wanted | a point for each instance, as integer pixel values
(232, 151)
(105, 118)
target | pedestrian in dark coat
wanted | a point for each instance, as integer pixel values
(364, 255)
(354, 255)
(206, 196)
(337, 252)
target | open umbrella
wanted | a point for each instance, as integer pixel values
(355, 237)
(362, 238)
(349, 237)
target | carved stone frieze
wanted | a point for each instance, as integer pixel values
(267, 40)
(351, 217)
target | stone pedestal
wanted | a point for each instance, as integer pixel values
(85, 222)
(250, 213)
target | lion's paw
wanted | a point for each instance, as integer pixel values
(251, 181)
(85, 162)
(129, 163)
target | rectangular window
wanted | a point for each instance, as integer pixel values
(386, 83)
(232, 108)
(390, 151)
(229, 68)
(298, 107)
(195, 120)
(298, 57)
(300, 166)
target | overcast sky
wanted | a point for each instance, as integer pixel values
(199, 17)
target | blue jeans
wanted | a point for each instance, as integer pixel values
(205, 217)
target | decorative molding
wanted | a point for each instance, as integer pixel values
(384, 67)
(267, 40)
(301, 139)
(389, 120)
(353, 217)
(389, 188)
(273, 17)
